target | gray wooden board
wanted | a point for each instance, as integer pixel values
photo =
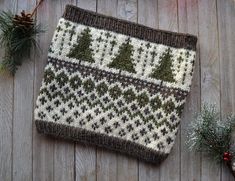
(22, 115)
(26, 155)
(190, 162)
(85, 156)
(226, 27)
(148, 15)
(63, 150)
(168, 20)
(107, 161)
(6, 113)
(210, 70)
(43, 147)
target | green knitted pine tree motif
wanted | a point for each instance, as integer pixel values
(164, 70)
(82, 50)
(123, 60)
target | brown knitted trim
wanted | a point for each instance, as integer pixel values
(100, 140)
(89, 18)
(114, 77)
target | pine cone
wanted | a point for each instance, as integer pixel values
(23, 20)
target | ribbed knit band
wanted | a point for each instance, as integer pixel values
(100, 140)
(89, 18)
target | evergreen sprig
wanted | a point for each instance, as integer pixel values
(211, 135)
(17, 40)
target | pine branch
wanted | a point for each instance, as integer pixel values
(18, 37)
(210, 135)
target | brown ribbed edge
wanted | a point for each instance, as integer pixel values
(100, 140)
(89, 18)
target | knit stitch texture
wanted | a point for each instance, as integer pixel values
(115, 84)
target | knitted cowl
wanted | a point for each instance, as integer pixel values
(115, 84)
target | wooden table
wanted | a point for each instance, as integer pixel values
(26, 155)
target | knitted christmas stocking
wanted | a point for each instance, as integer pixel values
(115, 84)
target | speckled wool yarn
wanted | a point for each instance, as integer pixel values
(115, 84)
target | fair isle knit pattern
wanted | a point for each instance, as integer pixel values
(115, 84)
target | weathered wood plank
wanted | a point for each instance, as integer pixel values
(168, 15)
(170, 168)
(43, 147)
(106, 165)
(85, 155)
(23, 109)
(87, 4)
(148, 15)
(210, 70)
(6, 111)
(127, 9)
(64, 150)
(113, 166)
(127, 167)
(64, 161)
(107, 160)
(226, 27)
(190, 162)
(85, 163)
(107, 7)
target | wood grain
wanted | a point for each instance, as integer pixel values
(64, 161)
(210, 70)
(226, 26)
(43, 147)
(85, 156)
(6, 112)
(26, 155)
(148, 16)
(168, 20)
(189, 161)
(127, 168)
(23, 109)
(107, 162)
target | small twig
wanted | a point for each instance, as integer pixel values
(34, 10)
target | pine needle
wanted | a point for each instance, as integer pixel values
(210, 135)
(18, 41)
